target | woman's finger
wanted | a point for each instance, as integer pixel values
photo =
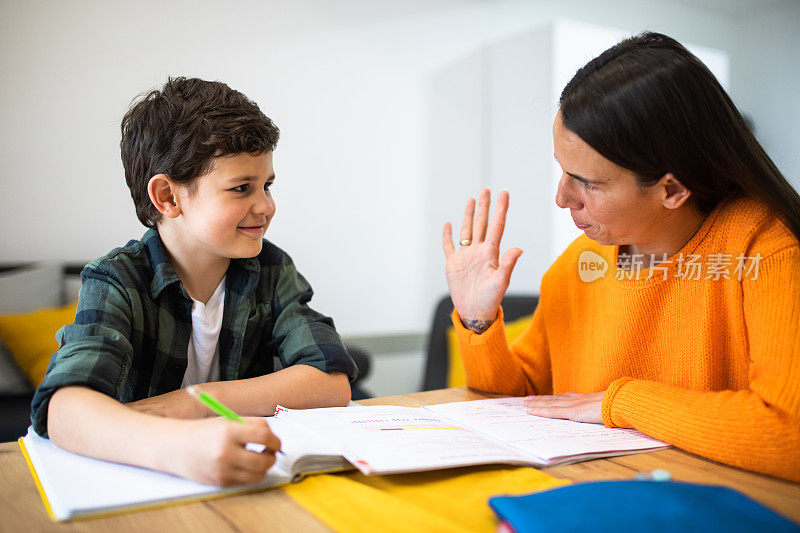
(507, 263)
(481, 216)
(548, 397)
(498, 223)
(580, 407)
(548, 401)
(466, 224)
(447, 241)
(549, 411)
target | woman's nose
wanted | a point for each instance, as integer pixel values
(564, 199)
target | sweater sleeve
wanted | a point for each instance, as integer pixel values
(757, 428)
(492, 365)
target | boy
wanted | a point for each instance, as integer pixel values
(202, 298)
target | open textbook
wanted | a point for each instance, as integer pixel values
(375, 440)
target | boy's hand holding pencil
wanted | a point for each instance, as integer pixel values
(217, 451)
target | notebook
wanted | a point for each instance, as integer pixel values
(622, 506)
(374, 439)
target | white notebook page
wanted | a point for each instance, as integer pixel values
(76, 485)
(390, 439)
(544, 438)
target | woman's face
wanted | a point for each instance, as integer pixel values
(605, 200)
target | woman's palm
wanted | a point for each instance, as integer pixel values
(476, 275)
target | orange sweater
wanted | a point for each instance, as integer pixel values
(709, 365)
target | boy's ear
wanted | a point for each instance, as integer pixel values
(163, 194)
(675, 192)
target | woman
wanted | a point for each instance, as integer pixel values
(692, 334)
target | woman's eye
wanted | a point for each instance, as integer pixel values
(241, 188)
(267, 185)
(588, 186)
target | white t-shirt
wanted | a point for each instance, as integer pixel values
(203, 352)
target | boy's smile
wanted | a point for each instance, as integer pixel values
(255, 231)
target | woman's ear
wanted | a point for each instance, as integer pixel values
(675, 193)
(163, 194)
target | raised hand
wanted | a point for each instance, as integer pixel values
(476, 276)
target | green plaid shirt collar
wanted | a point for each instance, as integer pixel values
(164, 273)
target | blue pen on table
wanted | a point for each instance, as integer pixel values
(224, 411)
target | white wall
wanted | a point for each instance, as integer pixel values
(383, 129)
(765, 82)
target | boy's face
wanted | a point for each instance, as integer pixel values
(231, 207)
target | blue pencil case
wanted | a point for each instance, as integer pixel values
(621, 506)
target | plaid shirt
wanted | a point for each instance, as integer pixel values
(132, 329)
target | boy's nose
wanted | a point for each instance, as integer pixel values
(265, 204)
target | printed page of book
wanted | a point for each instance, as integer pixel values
(548, 440)
(389, 439)
(303, 451)
(76, 485)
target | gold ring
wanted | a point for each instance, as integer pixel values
(465, 242)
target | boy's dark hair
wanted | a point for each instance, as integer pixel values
(179, 129)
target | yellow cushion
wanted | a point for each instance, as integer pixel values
(456, 377)
(452, 500)
(31, 337)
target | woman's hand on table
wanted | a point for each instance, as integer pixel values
(476, 275)
(577, 406)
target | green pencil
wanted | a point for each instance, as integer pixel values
(212, 403)
(224, 411)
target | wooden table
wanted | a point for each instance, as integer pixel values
(21, 508)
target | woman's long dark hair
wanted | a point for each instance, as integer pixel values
(650, 106)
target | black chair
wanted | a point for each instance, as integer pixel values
(15, 415)
(362, 360)
(436, 361)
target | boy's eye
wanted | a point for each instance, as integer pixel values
(245, 187)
